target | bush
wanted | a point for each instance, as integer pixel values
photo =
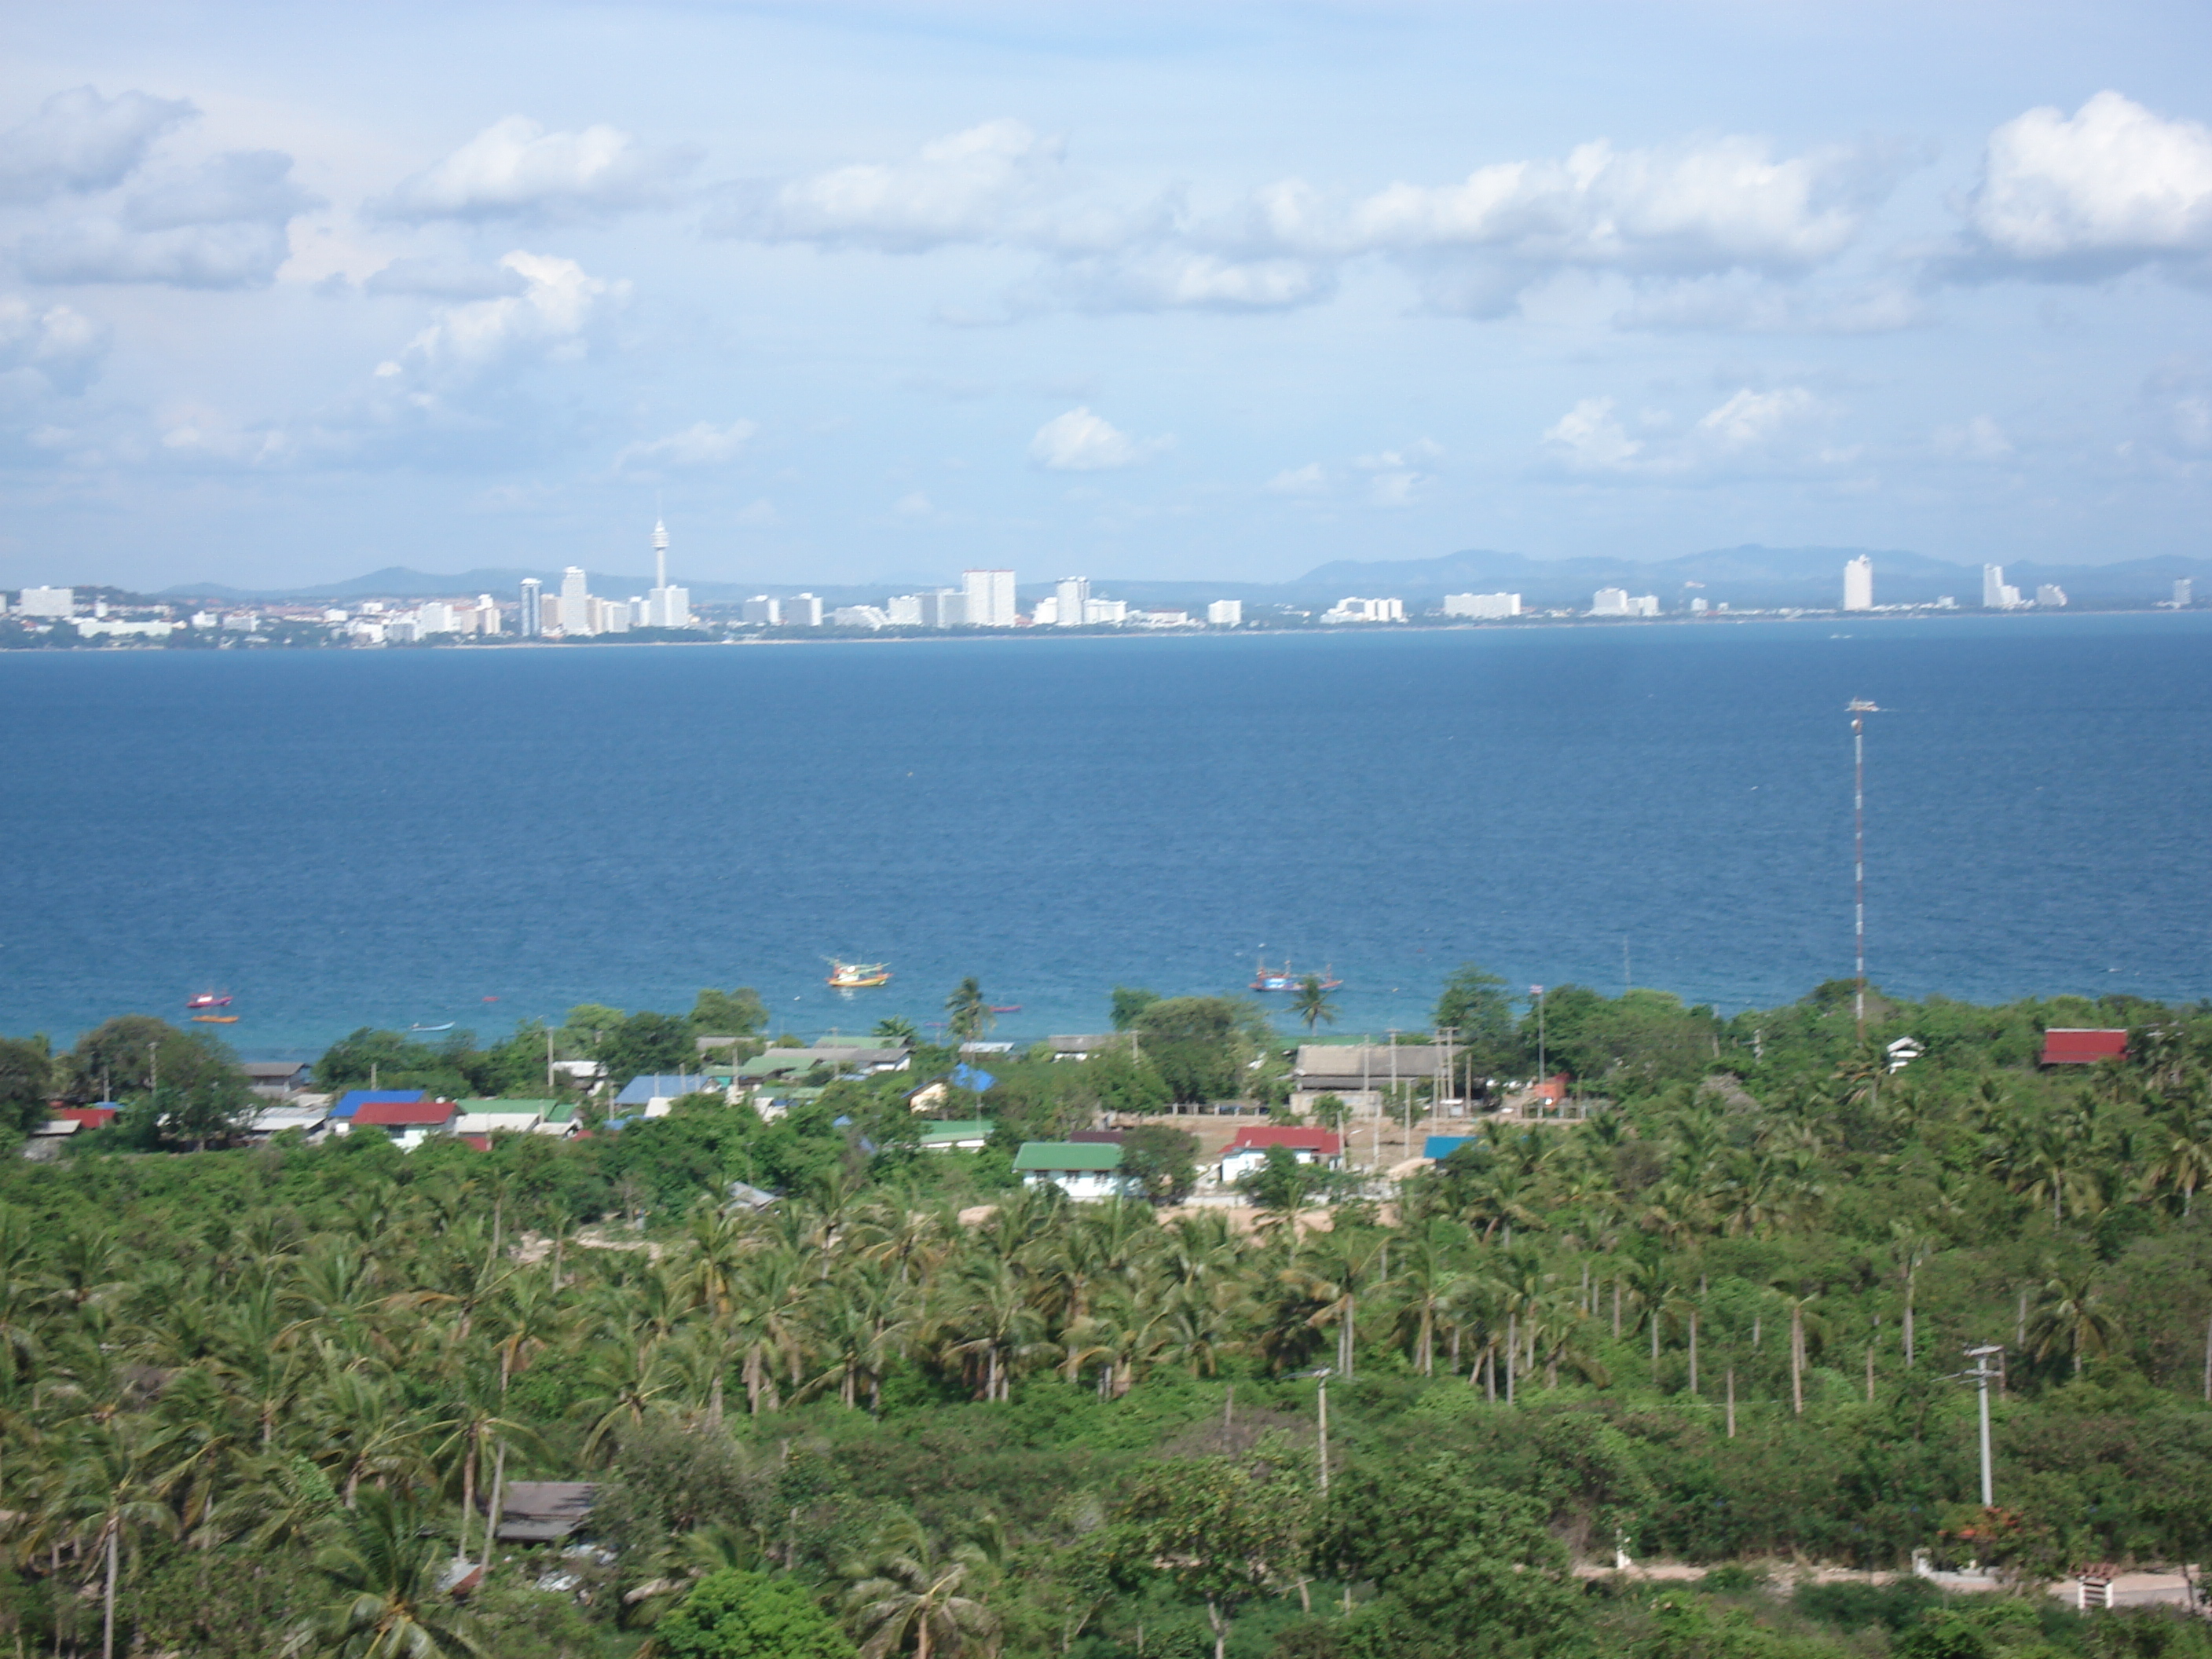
(750, 1615)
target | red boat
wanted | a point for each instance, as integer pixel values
(1282, 979)
(210, 1000)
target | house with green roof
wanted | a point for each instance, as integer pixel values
(965, 1135)
(1083, 1170)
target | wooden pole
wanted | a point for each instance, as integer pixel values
(1731, 1402)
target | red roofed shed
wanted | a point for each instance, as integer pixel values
(1322, 1143)
(2073, 1046)
(405, 1113)
(92, 1117)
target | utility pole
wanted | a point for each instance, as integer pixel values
(1982, 1374)
(1858, 709)
(1537, 992)
(1323, 1374)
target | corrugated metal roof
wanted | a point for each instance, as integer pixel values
(1044, 1156)
(964, 1128)
(1327, 1142)
(353, 1099)
(403, 1114)
(2078, 1046)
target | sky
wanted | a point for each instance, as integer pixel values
(854, 293)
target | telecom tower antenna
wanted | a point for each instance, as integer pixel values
(1858, 708)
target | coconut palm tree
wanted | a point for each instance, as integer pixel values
(1311, 1004)
(2072, 1317)
(967, 1015)
(381, 1573)
(910, 1593)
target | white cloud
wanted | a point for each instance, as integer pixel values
(1307, 480)
(1749, 419)
(222, 224)
(1738, 303)
(1079, 441)
(2113, 185)
(62, 346)
(1980, 439)
(988, 184)
(913, 505)
(1590, 437)
(443, 279)
(700, 444)
(79, 141)
(559, 303)
(1749, 431)
(515, 168)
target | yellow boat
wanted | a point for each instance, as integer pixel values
(853, 975)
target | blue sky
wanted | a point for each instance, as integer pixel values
(862, 292)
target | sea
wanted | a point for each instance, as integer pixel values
(414, 837)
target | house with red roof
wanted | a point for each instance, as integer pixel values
(2078, 1046)
(410, 1122)
(1248, 1151)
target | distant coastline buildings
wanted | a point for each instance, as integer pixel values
(1620, 601)
(1487, 607)
(1996, 593)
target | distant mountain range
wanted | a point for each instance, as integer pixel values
(1750, 577)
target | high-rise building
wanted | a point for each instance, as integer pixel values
(664, 606)
(531, 624)
(46, 602)
(1363, 611)
(1225, 613)
(761, 612)
(487, 614)
(1996, 593)
(2049, 597)
(1858, 584)
(904, 610)
(1045, 613)
(576, 601)
(802, 610)
(990, 598)
(1489, 607)
(2184, 592)
(1610, 602)
(1070, 596)
(1116, 611)
(945, 608)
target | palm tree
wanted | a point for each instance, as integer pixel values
(2070, 1315)
(968, 1016)
(909, 1590)
(114, 1485)
(382, 1571)
(2181, 1160)
(897, 1030)
(1310, 1003)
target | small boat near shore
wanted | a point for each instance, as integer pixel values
(856, 976)
(215, 1019)
(447, 1026)
(209, 999)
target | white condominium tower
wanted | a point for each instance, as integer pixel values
(1073, 595)
(1858, 584)
(575, 600)
(990, 598)
(666, 606)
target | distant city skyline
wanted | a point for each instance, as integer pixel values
(873, 296)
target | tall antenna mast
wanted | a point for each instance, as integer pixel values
(1858, 709)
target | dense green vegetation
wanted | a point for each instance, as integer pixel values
(256, 1397)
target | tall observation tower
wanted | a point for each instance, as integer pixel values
(666, 606)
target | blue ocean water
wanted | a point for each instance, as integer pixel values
(349, 838)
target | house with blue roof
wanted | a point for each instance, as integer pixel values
(650, 1094)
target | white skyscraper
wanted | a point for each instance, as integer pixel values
(576, 601)
(1858, 584)
(531, 621)
(990, 598)
(46, 602)
(2051, 597)
(1997, 594)
(487, 614)
(1489, 607)
(666, 606)
(1610, 602)
(1225, 613)
(1072, 594)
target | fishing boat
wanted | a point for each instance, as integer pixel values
(1006, 1007)
(209, 999)
(856, 976)
(447, 1026)
(215, 1019)
(1265, 978)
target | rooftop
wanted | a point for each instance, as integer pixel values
(1046, 1156)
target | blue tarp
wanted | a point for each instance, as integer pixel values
(649, 1086)
(968, 1078)
(1441, 1147)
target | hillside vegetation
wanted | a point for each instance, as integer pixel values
(253, 1399)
